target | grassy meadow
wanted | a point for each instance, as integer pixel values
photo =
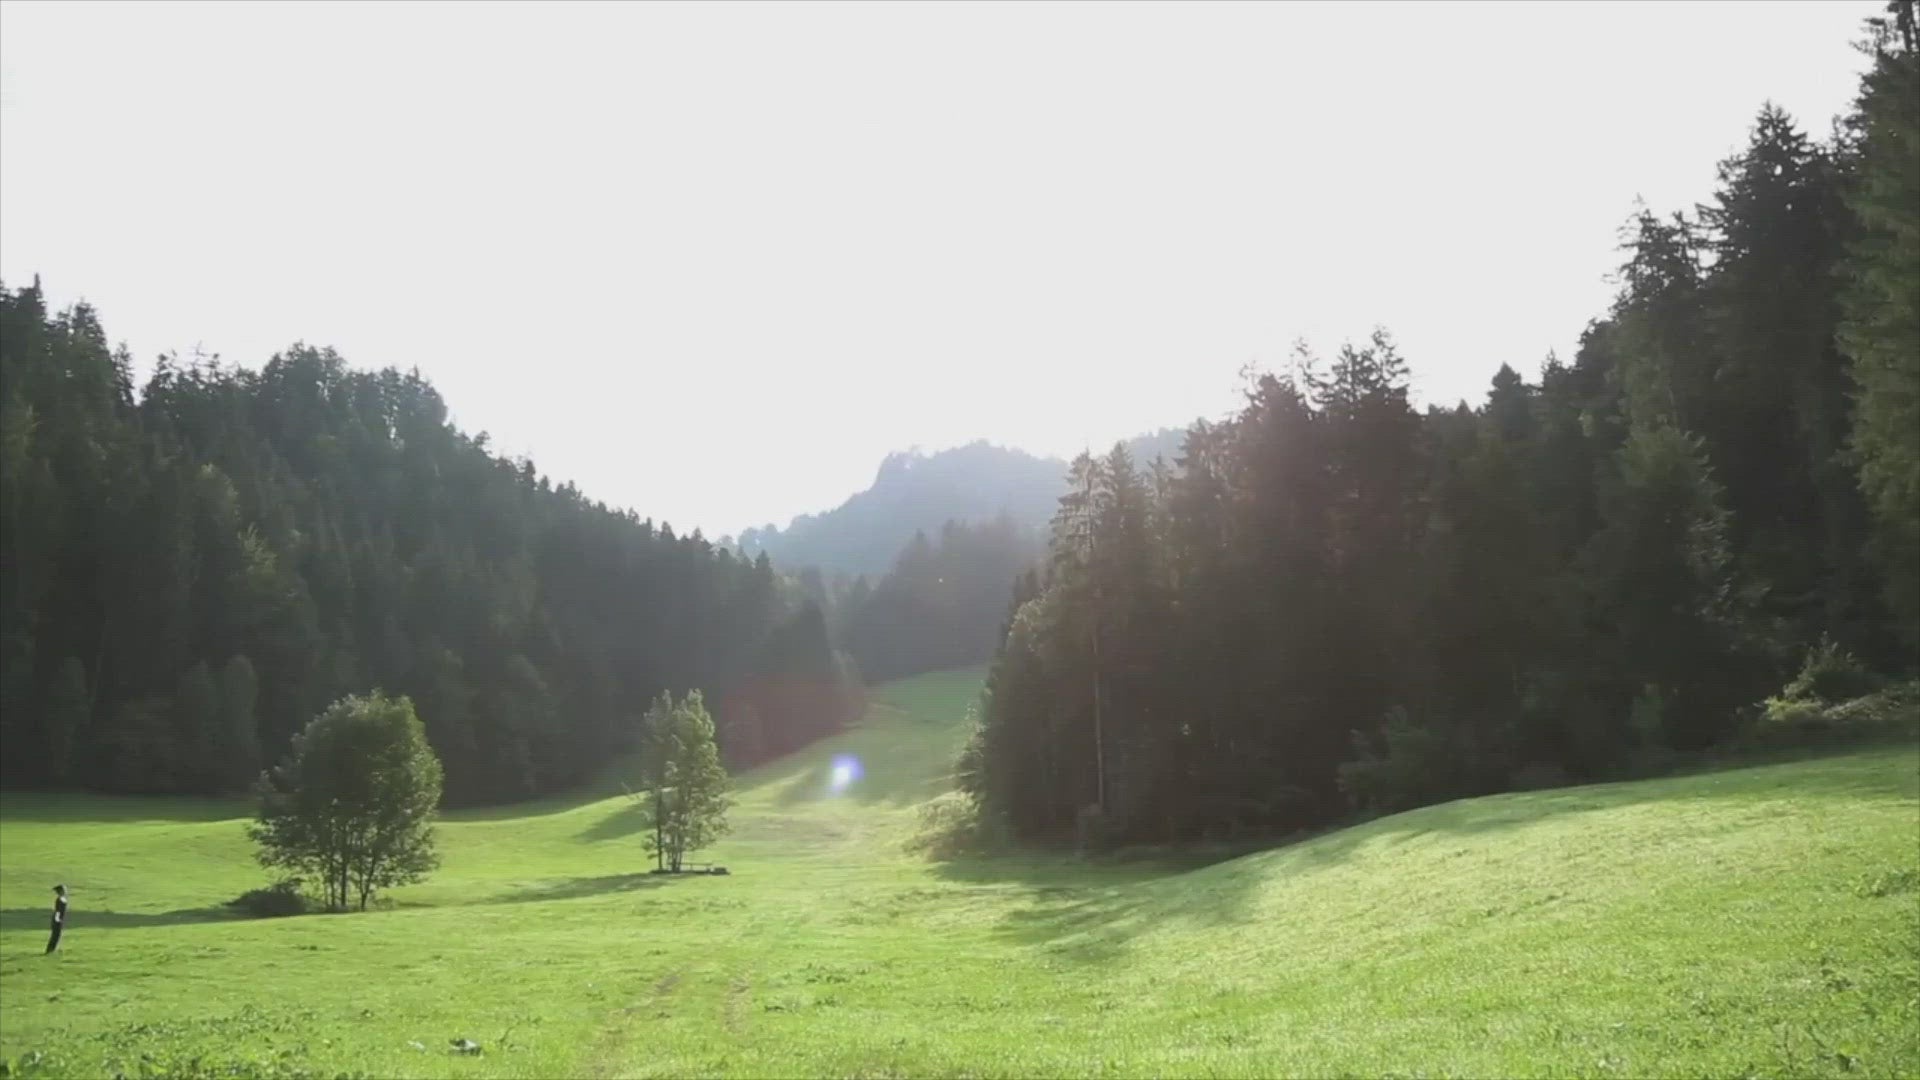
(1762, 921)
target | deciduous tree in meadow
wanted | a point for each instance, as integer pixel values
(686, 784)
(352, 806)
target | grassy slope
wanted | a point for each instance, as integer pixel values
(1760, 921)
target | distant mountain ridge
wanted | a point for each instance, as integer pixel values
(917, 492)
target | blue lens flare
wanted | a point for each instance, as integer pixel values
(846, 770)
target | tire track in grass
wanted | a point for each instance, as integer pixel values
(665, 986)
(734, 1012)
(609, 1047)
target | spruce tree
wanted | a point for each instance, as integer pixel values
(1880, 329)
(239, 761)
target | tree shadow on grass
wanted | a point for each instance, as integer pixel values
(1092, 926)
(1869, 774)
(577, 888)
(626, 819)
(1090, 909)
(40, 918)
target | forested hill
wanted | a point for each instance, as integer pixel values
(1339, 602)
(190, 573)
(920, 493)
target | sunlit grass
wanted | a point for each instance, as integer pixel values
(1761, 921)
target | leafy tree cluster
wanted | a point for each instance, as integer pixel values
(686, 792)
(189, 573)
(1334, 600)
(941, 605)
(351, 808)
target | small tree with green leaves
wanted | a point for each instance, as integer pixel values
(656, 749)
(352, 805)
(686, 784)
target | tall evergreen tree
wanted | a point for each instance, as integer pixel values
(198, 729)
(1880, 330)
(239, 753)
(1777, 418)
(67, 720)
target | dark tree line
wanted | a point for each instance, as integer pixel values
(190, 573)
(1334, 600)
(941, 605)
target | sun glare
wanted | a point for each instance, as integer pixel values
(845, 771)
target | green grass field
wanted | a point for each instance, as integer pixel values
(1762, 921)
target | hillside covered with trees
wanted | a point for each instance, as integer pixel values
(919, 493)
(193, 571)
(1336, 601)
(913, 571)
(942, 605)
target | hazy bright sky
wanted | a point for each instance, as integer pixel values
(713, 262)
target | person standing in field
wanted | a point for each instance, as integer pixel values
(59, 917)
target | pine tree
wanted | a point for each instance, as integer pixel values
(239, 762)
(67, 721)
(1662, 584)
(199, 730)
(1880, 331)
(1776, 420)
(1657, 335)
